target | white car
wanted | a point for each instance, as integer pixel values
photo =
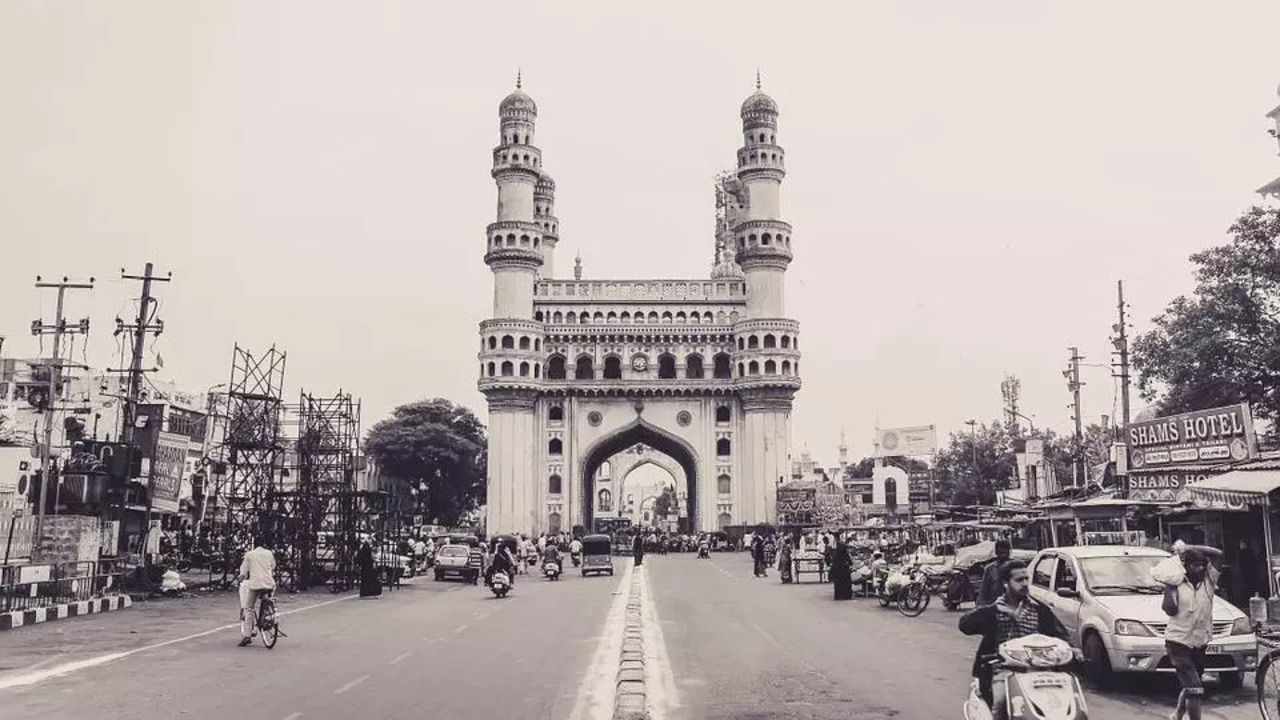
(1110, 605)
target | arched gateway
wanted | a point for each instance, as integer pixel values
(576, 371)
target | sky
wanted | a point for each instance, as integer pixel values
(966, 181)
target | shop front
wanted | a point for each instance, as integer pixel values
(1238, 512)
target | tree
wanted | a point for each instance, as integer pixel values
(438, 446)
(1221, 345)
(862, 469)
(665, 504)
(960, 482)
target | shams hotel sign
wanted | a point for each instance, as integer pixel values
(1169, 453)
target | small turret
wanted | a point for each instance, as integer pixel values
(577, 267)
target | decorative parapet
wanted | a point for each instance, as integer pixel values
(587, 291)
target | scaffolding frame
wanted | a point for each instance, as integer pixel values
(247, 451)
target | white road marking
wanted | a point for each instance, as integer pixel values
(460, 628)
(294, 716)
(432, 640)
(401, 657)
(31, 678)
(350, 685)
(660, 682)
(599, 684)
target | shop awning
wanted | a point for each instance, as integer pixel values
(1235, 489)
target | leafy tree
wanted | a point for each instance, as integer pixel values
(862, 469)
(1221, 345)
(436, 445)
(665, 504)
(960, 482)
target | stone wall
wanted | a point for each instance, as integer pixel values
(68, 539)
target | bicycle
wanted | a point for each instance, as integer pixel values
(266, 619)
(1267, 676)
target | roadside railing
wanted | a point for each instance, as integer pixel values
(26, 587)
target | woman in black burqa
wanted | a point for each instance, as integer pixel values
(758, 554)
(637, 549)
(370, 583)
(842, 571)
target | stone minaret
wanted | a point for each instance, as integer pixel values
(511, 340)
(768, 369)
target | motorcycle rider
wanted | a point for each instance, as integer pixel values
(575, 550)
(504, 562)
(1013, 615)
(552, 555)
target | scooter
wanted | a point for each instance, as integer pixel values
(576, 557)
(704, 553)
(500, 584)
(1037, 685)
(551, 570)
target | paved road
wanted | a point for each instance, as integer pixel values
(427, 650)
(743, 648)
(722, 646)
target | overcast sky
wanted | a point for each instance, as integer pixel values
(967, 181)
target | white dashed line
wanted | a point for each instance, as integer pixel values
(350, 685)
(401, 657)
(460, 628)
(294, 716)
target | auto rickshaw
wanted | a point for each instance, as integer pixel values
(597, 555)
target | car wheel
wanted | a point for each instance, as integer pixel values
(1231, 680)
(1097, 665)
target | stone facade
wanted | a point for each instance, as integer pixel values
(576, 371)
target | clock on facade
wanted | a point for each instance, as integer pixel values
(639, 363)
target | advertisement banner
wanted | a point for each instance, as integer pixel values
(918, 441)
(166, 471)
(1210, 437)
(1168, 487)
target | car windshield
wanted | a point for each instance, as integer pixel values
(1121, 574)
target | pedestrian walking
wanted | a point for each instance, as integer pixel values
(637, 549)
(757, 555)
(784, 561)
(370, 583)
(842, 571)
(1189, 606)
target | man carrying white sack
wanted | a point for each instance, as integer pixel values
(1191, 582)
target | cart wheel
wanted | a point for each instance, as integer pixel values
(1268, 682)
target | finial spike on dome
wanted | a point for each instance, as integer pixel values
(757, 78)
(519, 78)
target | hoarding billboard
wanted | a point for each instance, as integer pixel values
(1214, 436)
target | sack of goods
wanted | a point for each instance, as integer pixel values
(895, 582)
(862, 574)
(1169, 571)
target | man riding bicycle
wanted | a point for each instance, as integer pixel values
(257, 577)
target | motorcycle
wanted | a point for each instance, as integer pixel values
(1037, 685)
(577, 558)
(704, 552)
(959, 590)
(551, 570)
(500, 584)
(904, 588)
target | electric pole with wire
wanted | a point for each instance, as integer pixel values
(1121, 343)
(147, 322)
(48, 404)
(1072, 374)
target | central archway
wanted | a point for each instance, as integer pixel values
(639, 432)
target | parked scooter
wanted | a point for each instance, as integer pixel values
(500, 584)
(1037, 684)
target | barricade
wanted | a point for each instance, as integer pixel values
(36, 585)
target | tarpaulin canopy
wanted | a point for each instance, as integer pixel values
(1235, 489)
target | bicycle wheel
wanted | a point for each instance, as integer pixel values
(268, 629)
(1268, 681)
(913, 600)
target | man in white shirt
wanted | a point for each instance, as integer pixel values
(257, 576)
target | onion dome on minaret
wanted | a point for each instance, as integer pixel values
(759, 110)
(518, 103)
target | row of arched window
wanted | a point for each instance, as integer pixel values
(509, 369)
(753, 342)
(762, 138)
(584, 367)
(763, 239)
(771, 367)
(511, 240)
(555, 446)
(746, 157)
(515, 159)
(556, 414)
(638, 318)
(509, 342)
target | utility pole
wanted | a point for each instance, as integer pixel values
(145, 323)
(1072, 374)
(1121, 343)
(58, 329)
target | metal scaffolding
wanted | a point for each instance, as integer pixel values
(247, 454)
(316, 523)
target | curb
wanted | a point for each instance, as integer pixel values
(19, 618)
(631, 700)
